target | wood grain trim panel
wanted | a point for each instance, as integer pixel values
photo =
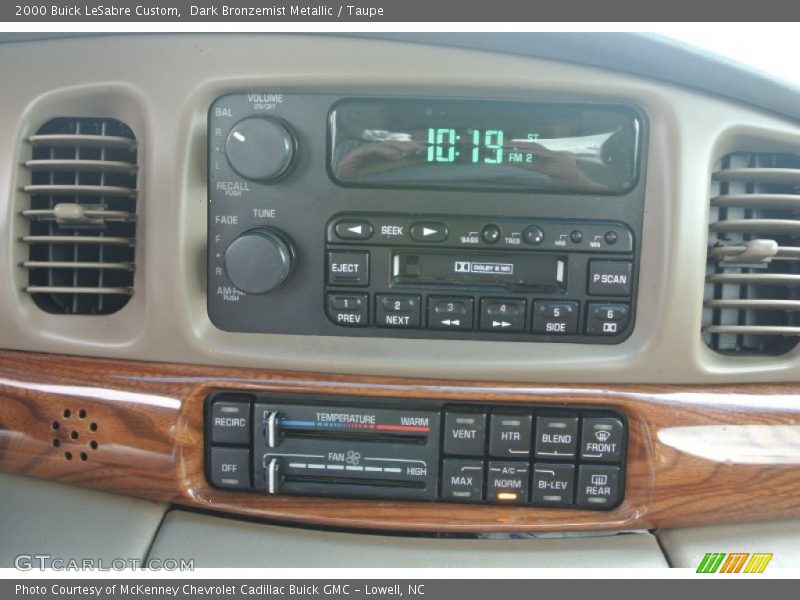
(696, 455)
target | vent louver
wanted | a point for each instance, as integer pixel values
(81, 216)
(752, 294)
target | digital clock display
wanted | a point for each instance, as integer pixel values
(469, 144)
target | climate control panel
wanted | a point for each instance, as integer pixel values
(545, 456)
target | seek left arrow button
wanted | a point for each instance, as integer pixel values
(352, 229)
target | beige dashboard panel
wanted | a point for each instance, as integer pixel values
(162, 85)
(242, 544)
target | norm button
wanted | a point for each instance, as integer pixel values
(352, 229)
(464, 433)
(429, 232)
(510, 435)
(508, 482)
(348, 268)
(602, 439)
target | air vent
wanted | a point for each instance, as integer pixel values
(81, 216)
(752, 295)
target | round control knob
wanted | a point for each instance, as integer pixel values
(260, 148)
(259, 261)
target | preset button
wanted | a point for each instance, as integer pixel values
(348, 310)
(445, 312)
(397, 310)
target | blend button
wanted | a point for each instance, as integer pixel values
(429, 232)
(556, 437)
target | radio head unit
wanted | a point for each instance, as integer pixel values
(424, 218)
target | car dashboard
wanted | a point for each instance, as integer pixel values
(448, 288)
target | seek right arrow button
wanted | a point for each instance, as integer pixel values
(602, 440)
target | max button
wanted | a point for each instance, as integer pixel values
(462, 480)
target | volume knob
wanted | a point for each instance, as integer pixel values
(259, 261)
(260, 148)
